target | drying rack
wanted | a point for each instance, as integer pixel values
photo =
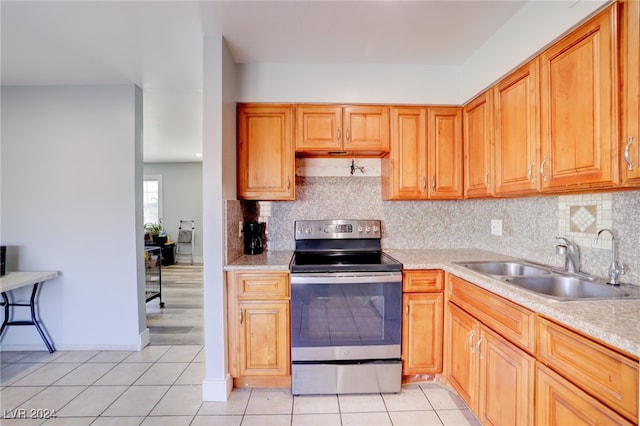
(185, 243)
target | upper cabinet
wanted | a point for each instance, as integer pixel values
(444, 153)
(404, 170)
(266, 161)
(425, 161)
(478, 133)
(357, 130)
(517, 130)
(579, 107)
(630, 83)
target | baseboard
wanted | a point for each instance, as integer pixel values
(143, 341)
(217, 390)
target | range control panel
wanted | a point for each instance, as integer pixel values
(337, 229)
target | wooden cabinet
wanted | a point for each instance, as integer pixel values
(478, 136)
(444, 153)
(517, 131)
(258, 328)
(630, 84)
(426, 157)
(601, 372)
(335, 129)
(404, 170)
(579, 92)
(422, 325)
(266, 162)
(511, 320)
(560, 403)
(493, 375)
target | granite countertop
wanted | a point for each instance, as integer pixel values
(267, 261)
(615, 322)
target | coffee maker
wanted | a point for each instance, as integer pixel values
(253, 237)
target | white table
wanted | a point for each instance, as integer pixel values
(15, 280)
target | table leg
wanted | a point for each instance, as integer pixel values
(32, 304)
(5, 303)
(34, 321)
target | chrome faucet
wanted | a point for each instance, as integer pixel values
(571, 255)
(615, 269)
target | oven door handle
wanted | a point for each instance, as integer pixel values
(346, 278)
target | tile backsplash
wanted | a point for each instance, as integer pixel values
(530, 225)
(581, 216)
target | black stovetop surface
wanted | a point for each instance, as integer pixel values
(340, 261)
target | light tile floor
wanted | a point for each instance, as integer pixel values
(162, 385)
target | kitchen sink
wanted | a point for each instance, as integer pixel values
(508, 269)
(552, 283)
(571, 288)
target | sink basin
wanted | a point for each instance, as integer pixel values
(508, 269)
(570, 288)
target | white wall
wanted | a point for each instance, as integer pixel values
(531, 29)
(70, 157)
(218, 172)
(181, 199)
(536, 25)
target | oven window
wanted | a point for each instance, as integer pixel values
(346, 314)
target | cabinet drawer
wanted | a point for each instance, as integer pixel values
(422, 281)
(261, 285)
(512, 321)
(607, 375)
(559, 402)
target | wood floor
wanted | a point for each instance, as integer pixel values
(180, 322)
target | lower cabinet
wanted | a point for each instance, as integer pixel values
(601, 372)
(560, 402)
(494, 377)
(258, 328)
(513, 366)
(422, 324)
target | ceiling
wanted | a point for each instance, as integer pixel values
(158, 46)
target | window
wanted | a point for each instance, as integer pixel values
(152, 198)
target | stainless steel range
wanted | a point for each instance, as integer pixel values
(346, 308)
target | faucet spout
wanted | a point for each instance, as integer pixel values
(615, 269)
(572, 255)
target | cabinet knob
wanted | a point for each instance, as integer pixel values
(544, 161)
(480, 354)
(626, 154)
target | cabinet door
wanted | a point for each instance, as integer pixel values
(422, 330)
(630, 74)
(462, 364)
(266, 163)
(517, 130)
(366, 128)
(478, 125)
(404, 169)
(318, 128)
(579, 86)
(264, 338)
(444, 153)
(507, 377)
(558, 402)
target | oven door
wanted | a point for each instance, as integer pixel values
(346, 316)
